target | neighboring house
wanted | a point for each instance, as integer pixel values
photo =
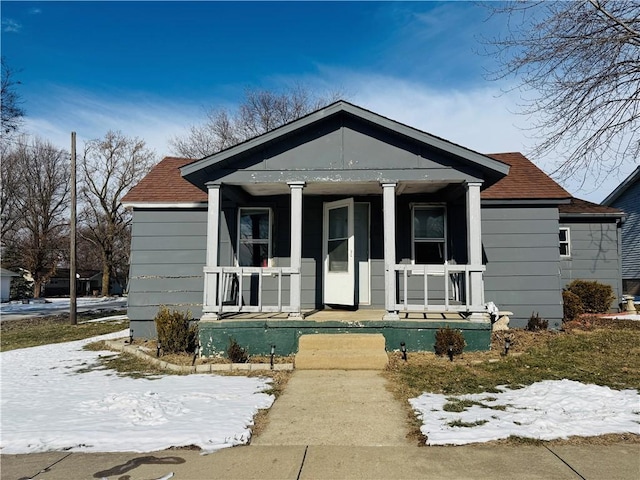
(626, 197)
(5, 279)
(384, 227)
(89, 282)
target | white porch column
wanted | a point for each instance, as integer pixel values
(296, 245)
(389, 223)
(474, 248)
(213, 240)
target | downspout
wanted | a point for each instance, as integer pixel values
(619, 223)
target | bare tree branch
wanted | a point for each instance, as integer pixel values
(39, 207)
(578, 63)
(11, 111)
(109, 167)
(259, 112)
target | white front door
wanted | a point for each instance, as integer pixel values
(339, 271)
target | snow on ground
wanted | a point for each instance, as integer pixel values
(545, 410)
(56, 304)
(56, 397)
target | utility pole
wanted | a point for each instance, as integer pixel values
(73, 303)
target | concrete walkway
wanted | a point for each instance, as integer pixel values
(336, 425)
(335, 407)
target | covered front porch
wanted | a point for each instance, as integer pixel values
(355, 252)
(343, 210)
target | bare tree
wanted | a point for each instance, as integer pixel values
(11, 111)
(109, 167)
(11, 189)
(579, 65)
(38, 232)
(259, 112)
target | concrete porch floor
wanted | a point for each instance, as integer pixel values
(329, 314)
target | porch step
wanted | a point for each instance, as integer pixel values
(341, 352)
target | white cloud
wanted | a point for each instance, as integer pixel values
(35, 11)
(154, 120)
(9, 25)
(479, 118)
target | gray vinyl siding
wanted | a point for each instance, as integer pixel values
(520, 249)
(594, 254)
(168, 251)
(629, 203)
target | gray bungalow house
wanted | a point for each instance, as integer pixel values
(347, 221)
(626, 197)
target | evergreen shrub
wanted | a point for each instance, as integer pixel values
(174, 332)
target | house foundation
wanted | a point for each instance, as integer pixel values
(258, 335)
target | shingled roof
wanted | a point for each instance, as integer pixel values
(580, 207)
(164, 184)
(524, 182)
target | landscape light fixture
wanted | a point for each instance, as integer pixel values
(158, 349)
(507, 344)
(273, 352)
(130, 336)
(403, 349)
(450, 351)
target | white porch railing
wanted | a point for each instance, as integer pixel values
(457, 287)
(224, 289)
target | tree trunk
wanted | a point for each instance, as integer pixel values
(105, 279)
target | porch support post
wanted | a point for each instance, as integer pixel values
(389, 222)
(296, 246)
(213, 238)
(474, 249)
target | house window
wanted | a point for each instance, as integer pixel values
(254, 237)
(429, 234)
(565, 242)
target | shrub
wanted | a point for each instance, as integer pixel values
(596, 297)
(445, 337)
(236, 353)
(174, 332)
(20, 288)
(571, 306)
(537, 323)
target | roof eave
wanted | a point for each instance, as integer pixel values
(620, 189)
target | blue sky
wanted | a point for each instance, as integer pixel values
(151, 69)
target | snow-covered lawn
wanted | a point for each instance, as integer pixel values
(57, 304)
(55, 397)
(545, 410)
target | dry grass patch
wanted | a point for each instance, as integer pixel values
(36, 331)
(185, 359)
(604, 353)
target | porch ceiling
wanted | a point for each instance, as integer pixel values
(343, 188)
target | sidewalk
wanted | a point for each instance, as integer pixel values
(336, 425)
(615, 462)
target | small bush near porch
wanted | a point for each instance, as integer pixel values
(175, 335)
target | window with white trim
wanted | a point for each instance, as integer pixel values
(254, 237)
(429, 234)
(565, 242)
